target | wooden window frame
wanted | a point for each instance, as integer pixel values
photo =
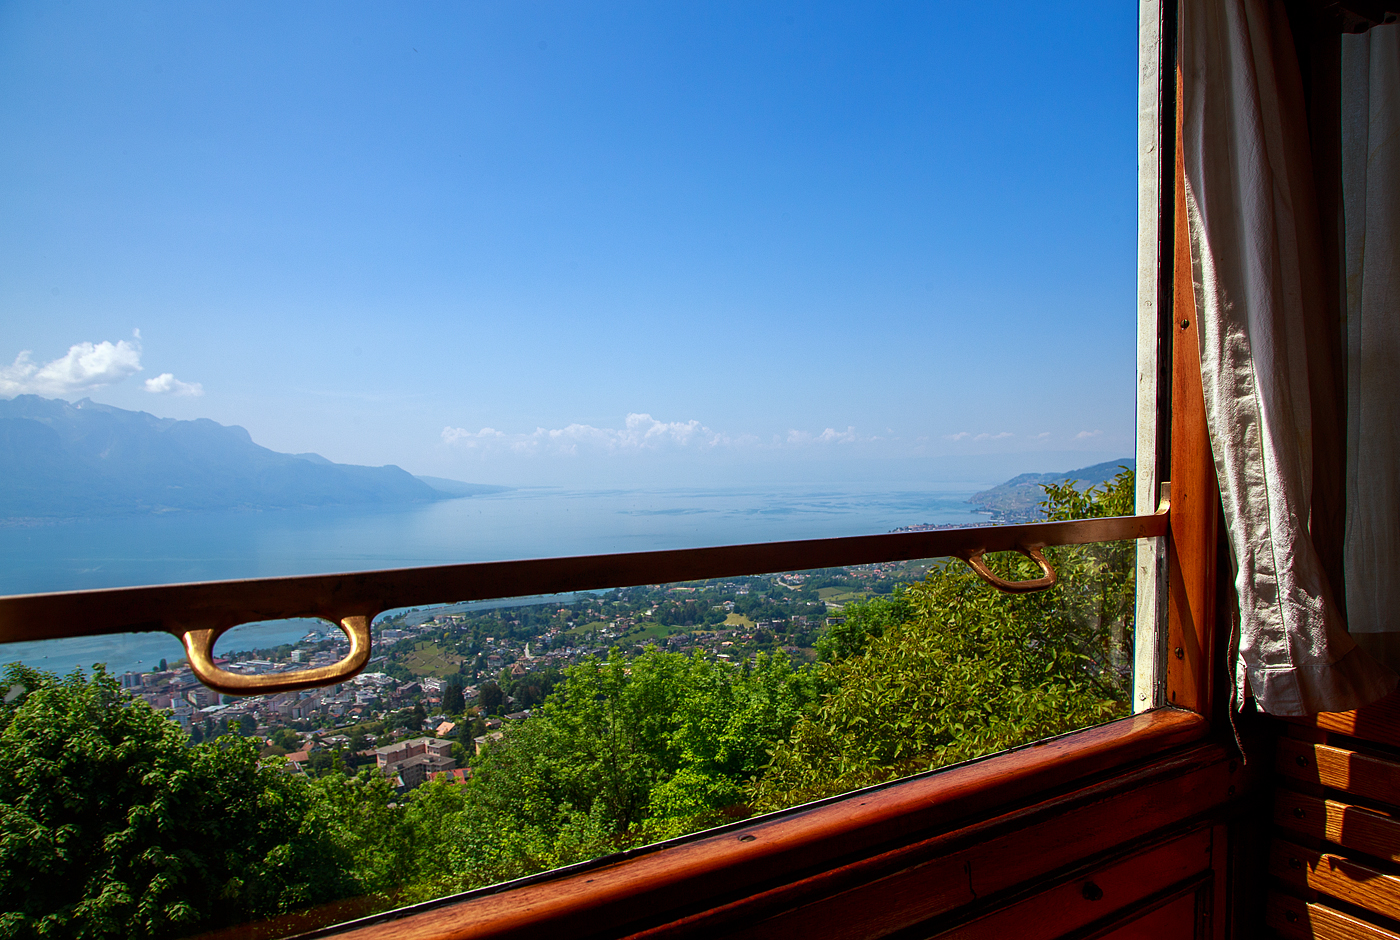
(744, 872)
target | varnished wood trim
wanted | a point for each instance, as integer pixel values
(1336, 876)
(1191, 567)
(1351, 827)
(614, 896)
(1299, 920)
(1341, 769)
(1082, 901)
(219, 605)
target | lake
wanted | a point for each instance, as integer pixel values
(537, 522)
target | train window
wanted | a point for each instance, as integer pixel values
(785, 354)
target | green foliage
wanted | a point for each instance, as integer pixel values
(490, 696)
(622, 753)
(112, 826)
(861, 623)
(453, 701)
(286, 739)
(953, 669)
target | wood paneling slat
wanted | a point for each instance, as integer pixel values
(1379, 721)
(1083, 901)
(1351, 827)
(1337, 876)
(1341, 769)
(1299, 920)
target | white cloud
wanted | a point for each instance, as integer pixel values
(1085, 435)
(984, 436)
(829, 436)
(640, 432)
(167, 384)
(1041, 436)
(833, 436)
(467, 438)
(87, 366)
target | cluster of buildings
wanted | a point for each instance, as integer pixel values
(423, 750)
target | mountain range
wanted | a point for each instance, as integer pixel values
(1018, 499)
(61, 459)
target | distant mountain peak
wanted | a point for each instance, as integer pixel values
(1019, 498)
(62, 460)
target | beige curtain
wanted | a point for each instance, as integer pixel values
(1371, 190)
(1256, 263)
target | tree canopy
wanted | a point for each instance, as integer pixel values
(952, 668)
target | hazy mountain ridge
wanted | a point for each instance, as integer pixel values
(1018, 499)
(60, 460)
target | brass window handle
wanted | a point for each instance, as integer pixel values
(199, 644)
(974, 560)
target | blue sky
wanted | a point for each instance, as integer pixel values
(579, 242)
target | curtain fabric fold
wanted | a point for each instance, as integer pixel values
(1371, 191)
(1256, 264)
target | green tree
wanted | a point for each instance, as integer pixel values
(490, 696)
(453, 701)
(286, 739)
(860, 623)
(622, 753)
(952, 669)
(359, 739)
(111, 825)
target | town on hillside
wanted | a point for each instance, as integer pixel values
(443, 681)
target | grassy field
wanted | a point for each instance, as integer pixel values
(584, 629)
(841, 595)
(429, 659)
(652, 631)
(737, 620)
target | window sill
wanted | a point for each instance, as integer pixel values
(774, 854)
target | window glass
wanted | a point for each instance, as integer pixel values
(350, 287)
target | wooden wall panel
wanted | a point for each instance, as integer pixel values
(1337, 876)
(1301, 920)
(1082, 901)
(1352, 827)
(1340, 768)
(1176, 919)
(1379, 721)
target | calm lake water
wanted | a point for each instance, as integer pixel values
(526, 523)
